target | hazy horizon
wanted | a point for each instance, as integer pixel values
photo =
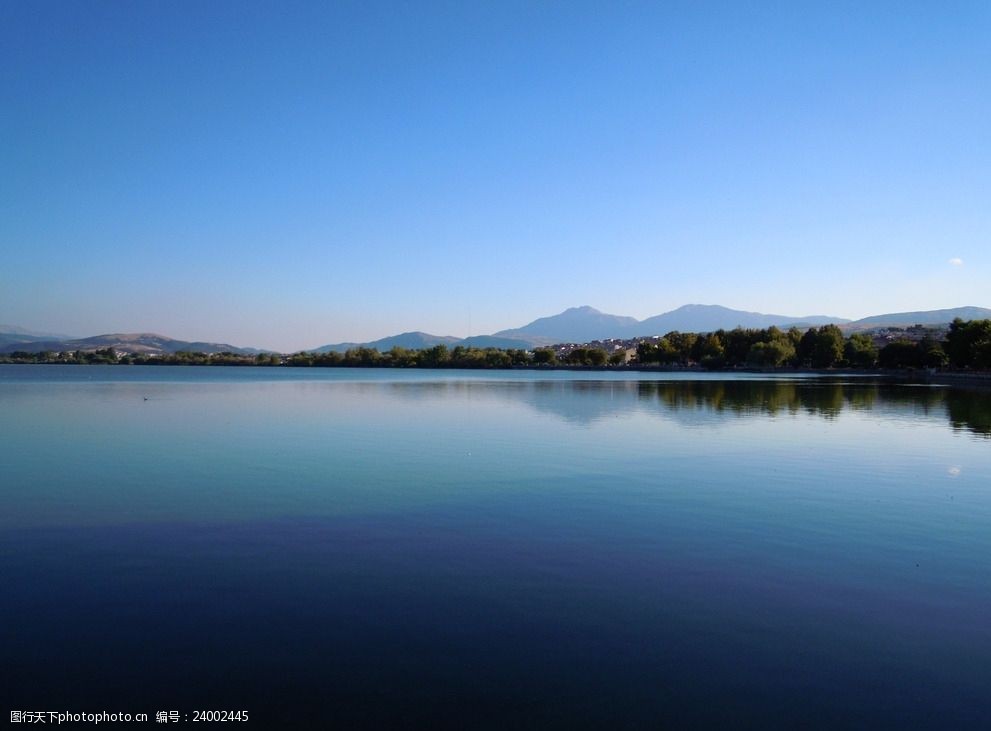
(178, 336)
(286, 177)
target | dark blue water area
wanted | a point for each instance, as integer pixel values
(507, 617)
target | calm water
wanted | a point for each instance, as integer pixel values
(385, 549)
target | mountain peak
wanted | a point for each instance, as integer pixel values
(576, 324)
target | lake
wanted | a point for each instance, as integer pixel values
(394, 549)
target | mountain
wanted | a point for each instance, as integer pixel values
(706, 318)
(10, 338)
(420, 340)
(411, 340)
(11, 335)
(585, 324)
(32, 334)
(144, 343)
(925, 317)
(574, 325)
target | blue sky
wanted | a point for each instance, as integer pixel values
(291, 174)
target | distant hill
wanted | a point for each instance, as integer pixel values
(144, 343)
(574, 325)
(7, 338)
(420, 340)
(11, 335)
(706, 318)
(412, 340)
(585, 324)
(925, 317)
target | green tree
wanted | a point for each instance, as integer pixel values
(518, 357)
(361, 357)
(860, 351)
(771, 354)
(968, 344)
(302, 359)
(900, 354)
(597, 357)
(472, 358)
(400, 357)
(495, 358)
(436, 357)
(330, 358)
(647, 352)
(931, 353)
(578, 356)
(709, 351)
(806, 347)
(827, 348)
(683, 345)
(737, 343)
(544, 356)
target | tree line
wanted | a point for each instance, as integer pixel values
(967, 345)
(109, 356)
(438, 356)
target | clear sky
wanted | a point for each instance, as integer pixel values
(290, 174)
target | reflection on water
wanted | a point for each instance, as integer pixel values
(590, 401)
(963, 409)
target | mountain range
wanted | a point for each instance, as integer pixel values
(574, 325)
(144, 343)
(11, 335)
(586, 324)
(418, 340)
(925, 317)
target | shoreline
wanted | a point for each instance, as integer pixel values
(904, 375)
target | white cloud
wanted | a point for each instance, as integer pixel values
(956, 261)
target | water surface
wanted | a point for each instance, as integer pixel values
(496, 549)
